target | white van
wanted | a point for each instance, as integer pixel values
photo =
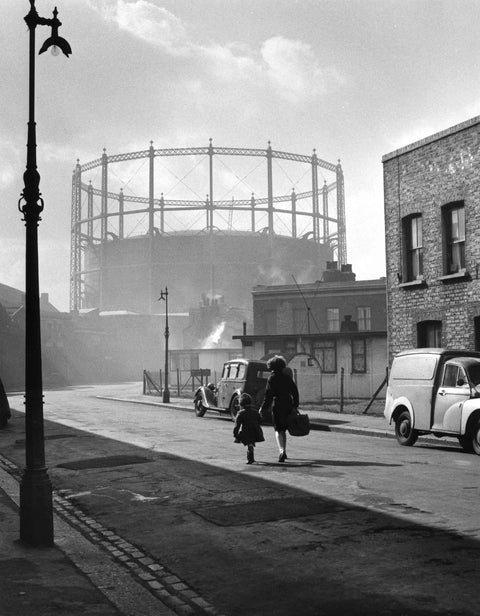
(435, 391)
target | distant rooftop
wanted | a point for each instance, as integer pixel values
(11, 297)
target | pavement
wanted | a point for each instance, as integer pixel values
(106, 564)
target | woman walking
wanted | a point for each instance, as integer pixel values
(283, 393)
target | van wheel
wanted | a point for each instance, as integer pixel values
(404, 431)
(476, 438)
(200, 410)
(466, 443)
(234, 406)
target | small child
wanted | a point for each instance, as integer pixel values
(247, 429)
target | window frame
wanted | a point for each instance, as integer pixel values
(319, 349)
(355, 354)
(364, 318)
(413, 247)
(335, 321)
(428, 328)
(458, 373)
(454, 246)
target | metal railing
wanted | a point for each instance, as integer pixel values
(185, 383)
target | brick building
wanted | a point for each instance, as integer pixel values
(432, 221)
(335, 327)
(53, 324)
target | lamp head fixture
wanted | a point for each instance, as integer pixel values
(56, 42)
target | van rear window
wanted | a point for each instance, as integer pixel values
(414, 367)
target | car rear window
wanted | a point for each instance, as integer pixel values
(414, 367)
(241, 371)
(263, 374)
(231, 370)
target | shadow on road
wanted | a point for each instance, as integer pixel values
(253, 546)
(296, 463)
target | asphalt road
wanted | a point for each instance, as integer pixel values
(432, 484)
(354, 524)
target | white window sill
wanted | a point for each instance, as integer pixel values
(418, 282)
(457, 277)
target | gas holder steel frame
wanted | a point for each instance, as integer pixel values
(82, 227)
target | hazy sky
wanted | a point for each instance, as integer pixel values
(354, 79)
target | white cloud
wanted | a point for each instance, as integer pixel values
(161, 28)
(146, 21)
(294, 69)
(291, 66)
(227, 65)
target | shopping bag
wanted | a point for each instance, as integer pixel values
(298, 424)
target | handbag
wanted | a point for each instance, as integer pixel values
(298, 424)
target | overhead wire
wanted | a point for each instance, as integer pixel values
(309, 313)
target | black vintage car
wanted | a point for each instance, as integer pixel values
(238, 376)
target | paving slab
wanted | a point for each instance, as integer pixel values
(44, 581)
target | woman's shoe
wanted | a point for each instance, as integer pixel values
(282, 457)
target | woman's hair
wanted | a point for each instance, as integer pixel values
(245, 400)
(276, 363)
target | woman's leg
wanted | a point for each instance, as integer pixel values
(281, 437)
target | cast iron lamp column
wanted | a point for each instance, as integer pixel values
(166, 392)
(36, 510)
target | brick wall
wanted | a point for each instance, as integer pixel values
(347, 297)
(421, 178)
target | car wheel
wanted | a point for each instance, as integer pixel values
(234, 406)
(465, 441)
(404, 431)
(200, 410)
(476, 438)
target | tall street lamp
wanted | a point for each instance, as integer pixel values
(166, 392)
(36, 510)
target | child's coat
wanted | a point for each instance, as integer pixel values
(247, 429)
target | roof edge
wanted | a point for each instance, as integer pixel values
(431, 138)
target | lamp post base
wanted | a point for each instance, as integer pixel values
(166, 395)
(36, 508)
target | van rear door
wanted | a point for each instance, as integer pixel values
(412, 377)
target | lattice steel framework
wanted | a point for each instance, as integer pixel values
(82, 229)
